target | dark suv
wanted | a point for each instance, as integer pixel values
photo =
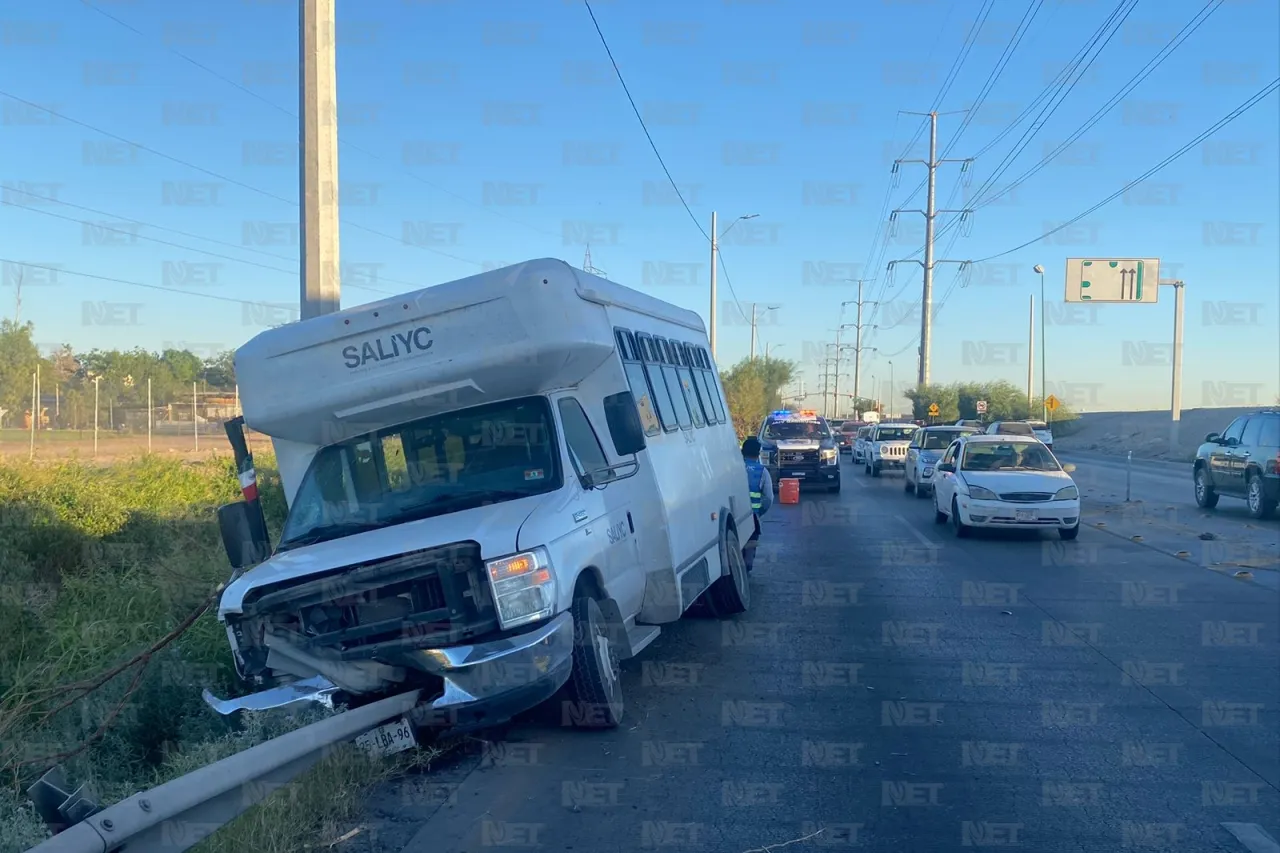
(1242, 462)
(799, 445)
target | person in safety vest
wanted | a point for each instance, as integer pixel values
(760, 485)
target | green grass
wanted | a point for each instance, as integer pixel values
(98, 564)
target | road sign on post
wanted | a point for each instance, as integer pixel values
(982, 407)
(1113, 280)
(933, 410)
(1052, 403)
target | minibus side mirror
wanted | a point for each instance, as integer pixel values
(244, 548)
(623, 418)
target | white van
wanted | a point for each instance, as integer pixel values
(498, 487)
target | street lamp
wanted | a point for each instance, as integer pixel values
(768, 347)
(891, 396)
(715, 248)
(1044, 351)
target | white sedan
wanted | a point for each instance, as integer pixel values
(1005, 481)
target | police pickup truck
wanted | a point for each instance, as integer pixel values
(801, 446)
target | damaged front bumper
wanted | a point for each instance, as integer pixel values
(483, 683)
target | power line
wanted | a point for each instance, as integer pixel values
(106, 227)
(656, 153)
(1221, 123)
(1055, 84)
(992, 77)
(1052, 106)
(128, 282)
(352, 146)
(1185, 33)
(880, 237)
(644, 127)
(119, 218)
(225, 178)
(957, 64)
(1053, 90)
(1024, 26)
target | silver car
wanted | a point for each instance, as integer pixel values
(926, 448)
(860, 445)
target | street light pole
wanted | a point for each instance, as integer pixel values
(711, 327)
(891, 395)
(715, 252)
(755, 307)
(1044, 353)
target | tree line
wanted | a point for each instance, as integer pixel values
(755, 387)
(67, 377)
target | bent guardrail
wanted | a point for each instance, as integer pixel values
(179, 814)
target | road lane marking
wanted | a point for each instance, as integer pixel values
(924, 540)
(1253, 836)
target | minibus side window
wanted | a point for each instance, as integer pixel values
(653, 372)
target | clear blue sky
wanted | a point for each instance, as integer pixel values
(801, 103)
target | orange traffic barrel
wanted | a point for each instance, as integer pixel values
(789, 491)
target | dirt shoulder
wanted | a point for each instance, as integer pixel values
(1147, 434)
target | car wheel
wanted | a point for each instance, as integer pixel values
(867, 469)
(939, 517)
(1206, 497)
(922, 492)
(1259, 506)
(961, 529)
(731, 594)
(907, 485)
(835, 489)
(1069, 533)
(875, 470)
(594, 684)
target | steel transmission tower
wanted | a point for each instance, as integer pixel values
(930, 213)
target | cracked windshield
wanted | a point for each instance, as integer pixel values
(397, 400)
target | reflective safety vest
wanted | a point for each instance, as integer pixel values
(755, 477)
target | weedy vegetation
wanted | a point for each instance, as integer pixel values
(108, 585)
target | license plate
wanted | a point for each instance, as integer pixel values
(388, 739)
(1025, 515)
(798, 475)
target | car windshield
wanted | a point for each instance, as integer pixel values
(1014, 428)
(848, 427)
(1008, 456)
(1037, 424)
(436, 465)
(895, 433)
(792, 430)
(938, 440)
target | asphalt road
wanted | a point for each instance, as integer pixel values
(897, 689)
(1162, 509)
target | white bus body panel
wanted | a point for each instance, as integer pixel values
(538, 328)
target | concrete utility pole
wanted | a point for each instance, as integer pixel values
(930, 213)
(755, 307)
(318, 162)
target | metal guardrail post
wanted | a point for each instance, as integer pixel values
(180, 814)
